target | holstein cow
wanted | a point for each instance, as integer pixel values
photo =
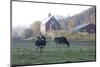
(40, 42)
(62, 40)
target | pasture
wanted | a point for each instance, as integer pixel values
(24, 52)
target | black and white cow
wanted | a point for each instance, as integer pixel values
(40, 42)
(62, 40)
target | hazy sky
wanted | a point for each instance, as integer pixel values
(24, 13)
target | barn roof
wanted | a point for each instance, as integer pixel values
(46, 19)
(79, 27)
(57, 17)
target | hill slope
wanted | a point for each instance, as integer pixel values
(87, 16)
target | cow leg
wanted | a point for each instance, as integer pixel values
(56, 44)
(63, 45)
(40, 49)
(68, 44)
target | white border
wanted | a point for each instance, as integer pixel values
(5, 34)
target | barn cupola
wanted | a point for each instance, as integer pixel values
(49, 14)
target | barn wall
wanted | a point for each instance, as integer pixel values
(89, 28)
(55, 26)
(43, 28)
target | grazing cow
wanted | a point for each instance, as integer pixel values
(62, 40)
(40, 42)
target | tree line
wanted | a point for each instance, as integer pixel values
(24, 33)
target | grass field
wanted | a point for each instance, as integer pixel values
(24, 52)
